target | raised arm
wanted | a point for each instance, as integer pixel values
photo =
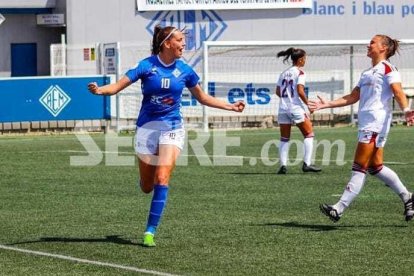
(349, 99)
(109, 89)
(210, 101)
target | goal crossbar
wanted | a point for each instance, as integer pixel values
(293, 42)
(315, 43)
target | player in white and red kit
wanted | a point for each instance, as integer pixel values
(292, 108)
(374, 90)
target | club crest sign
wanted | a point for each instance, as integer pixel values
(54, 100)
(200, 26)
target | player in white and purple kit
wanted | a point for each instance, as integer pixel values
(292, 109)
(374, 91)
(160, 132)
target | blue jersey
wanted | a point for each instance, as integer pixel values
(162, 87)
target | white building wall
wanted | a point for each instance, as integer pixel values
(92, 20)
(95, 21)
(23, 28)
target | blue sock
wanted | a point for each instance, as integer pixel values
(159, 199)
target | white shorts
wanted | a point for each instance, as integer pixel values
(366, 137)
(147, 140)
(295, 116)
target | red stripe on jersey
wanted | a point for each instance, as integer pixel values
(388, 69)
(301, 72)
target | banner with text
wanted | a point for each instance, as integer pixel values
(167, 5)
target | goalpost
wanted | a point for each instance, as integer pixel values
(249, 70)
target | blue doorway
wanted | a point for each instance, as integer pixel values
(23, 59)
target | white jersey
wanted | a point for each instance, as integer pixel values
(375, 112)
(289, 97)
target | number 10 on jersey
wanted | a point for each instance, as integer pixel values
(165, 83)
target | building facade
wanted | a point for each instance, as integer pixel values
(26, 34)
(87, 22)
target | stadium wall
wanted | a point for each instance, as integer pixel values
(326, 20)
(52, 104)
(89, 22)
(94, 21)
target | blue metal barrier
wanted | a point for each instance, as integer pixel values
(52, 98)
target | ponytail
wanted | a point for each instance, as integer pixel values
(155, 40)
(293, 53)
(286, 54)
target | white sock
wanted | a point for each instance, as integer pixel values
(283, 152)
(352, 190)
(391, 179)
(308, 148)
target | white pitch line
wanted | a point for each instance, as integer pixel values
(222, 156)
(203, 156)
(73, 259)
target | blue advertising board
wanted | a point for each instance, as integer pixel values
(52, 98)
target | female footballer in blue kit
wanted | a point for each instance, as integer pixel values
(160, 132)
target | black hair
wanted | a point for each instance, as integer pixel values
(294, 53)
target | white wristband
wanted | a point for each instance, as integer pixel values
(407, 109)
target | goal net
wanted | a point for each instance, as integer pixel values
(248, 71)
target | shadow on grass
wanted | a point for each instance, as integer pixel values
(108, 239)
(263, 173)
(311, 227)
(324, 227)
